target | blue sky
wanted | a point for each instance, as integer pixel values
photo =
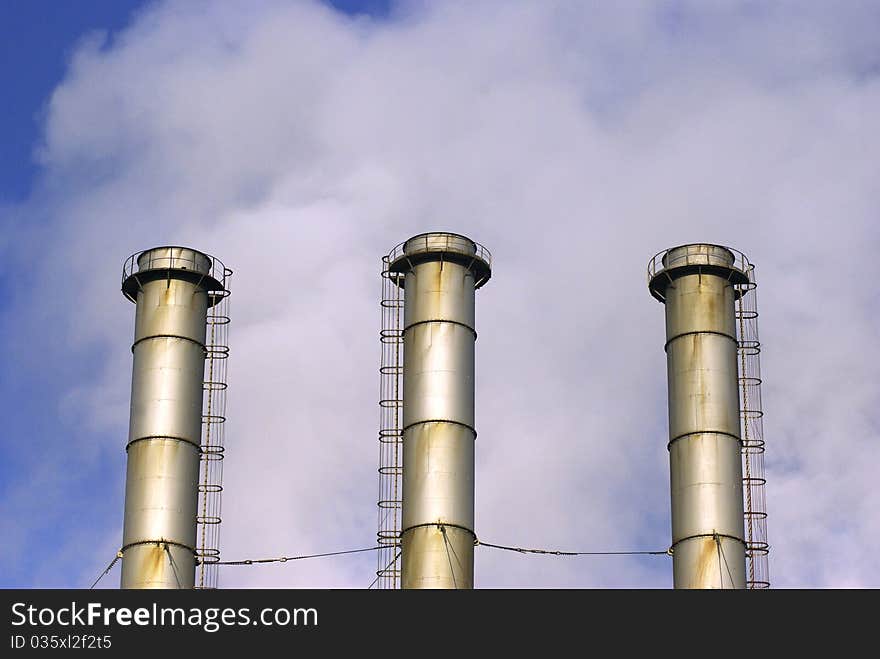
(298, 143)
(38, 37)
(37, 40)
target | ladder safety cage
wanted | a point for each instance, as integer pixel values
(390, 429)
(751, 419)
(213, 437)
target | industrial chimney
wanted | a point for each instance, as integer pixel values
(438, 273)
(700, 285)
(173, 288)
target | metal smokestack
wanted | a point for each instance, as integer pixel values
(439, 273)
(173, 287)
(699, 286)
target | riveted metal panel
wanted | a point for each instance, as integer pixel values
(709, 563)
(438, 374)
(700, 303)
(161, 491)
(439, 290)
(432, 559)
(438, 481)
(703, 388)
(171, 307)
(150, 566)
(706, 485)
(166, 392)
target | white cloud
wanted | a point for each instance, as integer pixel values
(574, 141)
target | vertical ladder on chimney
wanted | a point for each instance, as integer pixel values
(213, 439)
(390, 429)
(751, 417)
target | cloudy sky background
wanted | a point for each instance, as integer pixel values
(298, 142)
